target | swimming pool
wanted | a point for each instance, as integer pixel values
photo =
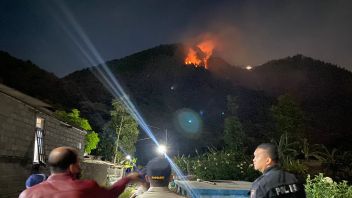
(213, 189)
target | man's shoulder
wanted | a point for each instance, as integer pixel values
(280, 183)
(47, 188)
(280, 175)
(165, 194)
(36, 190)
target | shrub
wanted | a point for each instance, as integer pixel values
(92, 140)
(218, 165)
(321, 186)
(295, 166)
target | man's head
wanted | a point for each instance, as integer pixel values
(265, 155)
(65, 159)
(158, 172)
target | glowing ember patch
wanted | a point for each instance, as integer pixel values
(192, 58)
(200, 56)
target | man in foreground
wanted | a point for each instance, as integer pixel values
(158, 175)
(274, 182)
(64, 179)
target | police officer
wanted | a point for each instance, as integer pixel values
(274, 182)
(159, 175)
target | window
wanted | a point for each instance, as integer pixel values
(39, 152)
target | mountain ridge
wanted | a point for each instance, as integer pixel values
(160, 84)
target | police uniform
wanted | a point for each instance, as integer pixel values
(277, 183)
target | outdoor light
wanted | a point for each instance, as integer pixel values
(162, 149)
(128, 157)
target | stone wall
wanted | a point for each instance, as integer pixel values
(17, 132)
(104, 173)
(95, 171)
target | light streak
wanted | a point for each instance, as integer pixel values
(106, 77)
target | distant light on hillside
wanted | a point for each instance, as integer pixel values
(248, 67)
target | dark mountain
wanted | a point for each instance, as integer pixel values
(32, 80)
(323, 89)
(160, 85)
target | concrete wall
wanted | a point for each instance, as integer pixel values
(95, 171)
(104, 173)
(17, 130)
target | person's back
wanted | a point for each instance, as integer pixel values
(159, 192)
(278, 183)
(158, 175)
(64, 181)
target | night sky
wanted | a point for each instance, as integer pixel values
(249, 32)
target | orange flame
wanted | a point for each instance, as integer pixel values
(200, 57)
(192, 58)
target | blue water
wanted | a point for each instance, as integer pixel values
(215, 193)
(204, 190)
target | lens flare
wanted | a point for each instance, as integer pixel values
(188, 121)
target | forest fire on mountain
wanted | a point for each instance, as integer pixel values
(199, 54)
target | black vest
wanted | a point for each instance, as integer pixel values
(277, 183)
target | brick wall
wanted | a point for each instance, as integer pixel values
(17, 130)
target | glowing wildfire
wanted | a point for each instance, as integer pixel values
(199, 55)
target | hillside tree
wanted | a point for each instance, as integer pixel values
(119, 135)
(234, 136)
(288, 117)
(73, 118)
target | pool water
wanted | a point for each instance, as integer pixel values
(213, 189)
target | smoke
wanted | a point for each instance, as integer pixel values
(254, 32)
(228, 43)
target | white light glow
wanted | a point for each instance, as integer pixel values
(162, 149)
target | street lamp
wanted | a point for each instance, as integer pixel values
(128, 157)
(162, 149)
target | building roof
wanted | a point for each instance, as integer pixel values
(33, 102)
(38, 104)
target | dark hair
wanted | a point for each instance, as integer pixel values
(35, 168)
(61, 162)
(271, 150)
